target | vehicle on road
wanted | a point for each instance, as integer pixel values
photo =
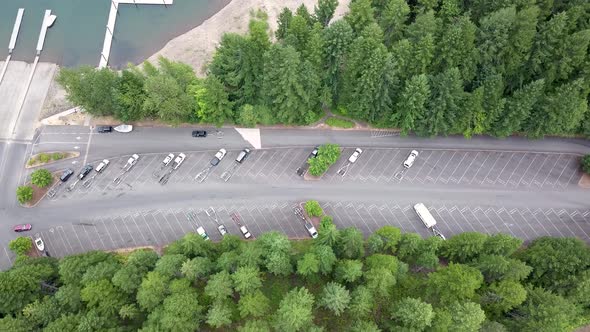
(242, 155)
(103, 164)
(39, 244)
(65, 176)
(85, 171)
(104, 129)
(222, 230)
(199, 133)
(178, 161)
(168, 159)
(411, 158)
(124, 128)
(22, 228)
(311, 230)
(245, 232)
(355, 155)
(202, 233)
(218, 156)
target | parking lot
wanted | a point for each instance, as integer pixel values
(159, 227)
(511, 170)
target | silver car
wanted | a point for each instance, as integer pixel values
(355, 155)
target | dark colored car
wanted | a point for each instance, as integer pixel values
(22, 228)
(301, 170)
(199, 133)
(85, 171)
(104, 129)
(242, 155)
(65, 176)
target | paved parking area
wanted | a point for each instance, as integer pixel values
(493, 169)
(159, 227)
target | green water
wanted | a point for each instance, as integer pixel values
(77, 35)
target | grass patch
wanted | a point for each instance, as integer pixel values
(339, 123)
(50, 157)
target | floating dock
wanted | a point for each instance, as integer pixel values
(108, 35)
(12, 43)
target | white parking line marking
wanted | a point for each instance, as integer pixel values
(551, 170)
(538, 170)
(480, 167)
(527, 169)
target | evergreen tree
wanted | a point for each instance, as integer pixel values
(392, 20)
(361, 14)
(445, 107)
(284, 22)
(518, 108)
(337, 39)
(325, 10)
(411, 106)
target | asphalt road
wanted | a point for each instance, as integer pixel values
(516, 186)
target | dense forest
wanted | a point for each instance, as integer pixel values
(338, 282)
(431, 67)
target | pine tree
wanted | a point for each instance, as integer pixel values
(324, 11)
(284, 22)
(411, 106)
(392, 20)
(337, 39)
(518, 108)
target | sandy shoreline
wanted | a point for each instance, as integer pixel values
(196, 46)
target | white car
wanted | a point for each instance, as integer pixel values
(134, 158)
(311, 230)
(168, 159)
(39, 244)
(102, 166)
(222, 230)
(178, 161)
(411, 158)
(218, 156)
(244, 231)
(355, 155)
(202, 233)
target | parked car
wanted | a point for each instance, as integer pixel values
(178, 161)
(245, 232)
(218, 156)
(65, 176)
(411, 158)
(168, 159)
(103, 164)
(104, 129)
(22, 228)
(311, 230)
(314, 153)
(242, 155)
(355, 155)
(199, 133)
(222, 230)
(39, 244)
(202, 233)
(85, 171)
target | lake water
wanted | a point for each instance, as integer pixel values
(77, 35)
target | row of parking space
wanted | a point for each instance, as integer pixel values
(159, 227)
(520, 170)
(459, 167)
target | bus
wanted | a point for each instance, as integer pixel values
(424, 215)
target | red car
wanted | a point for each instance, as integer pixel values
(22, 228)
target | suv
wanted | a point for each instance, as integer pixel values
(311, 230)
(104, 129)
(242, 156)
(199, 133)
(85, 171)
(355, 155)
(168, 159)
(202, 233)
(245, 231)
(65, 176)
(222, 230)
(411, 158)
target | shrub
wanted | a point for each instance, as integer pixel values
(44, 157)
(57, 156)
(248, 117)
(340, 123)
(327, 155)
(21, 245)
(24, 194)
(41, 178)
(586, 164)
(313, 209)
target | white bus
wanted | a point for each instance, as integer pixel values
(425, 215)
